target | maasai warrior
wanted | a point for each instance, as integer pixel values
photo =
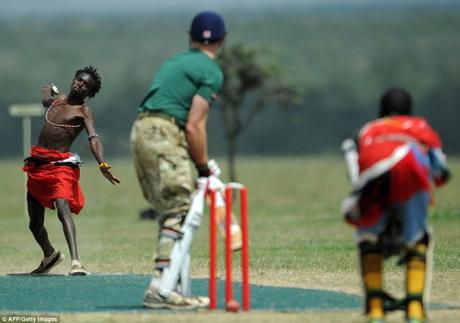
(53, 172)
(398, 157)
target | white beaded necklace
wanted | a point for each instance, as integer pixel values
(59, 124)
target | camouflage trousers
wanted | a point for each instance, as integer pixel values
(163, 169)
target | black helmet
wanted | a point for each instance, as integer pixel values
(207, 27)
(395, 101)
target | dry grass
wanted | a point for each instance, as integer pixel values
(298, 238)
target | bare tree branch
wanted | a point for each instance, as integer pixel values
(248, 73)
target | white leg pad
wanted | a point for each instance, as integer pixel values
(181, 249)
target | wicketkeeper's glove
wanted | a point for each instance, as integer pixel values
(440, 172)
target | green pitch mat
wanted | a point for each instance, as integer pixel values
(124, 292)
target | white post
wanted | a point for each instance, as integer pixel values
(26, 142)
(26, 135)
(26, 111)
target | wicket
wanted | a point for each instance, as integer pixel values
(246, 300)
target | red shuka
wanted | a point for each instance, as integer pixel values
(49, 182)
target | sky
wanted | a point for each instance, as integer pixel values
(119, 7)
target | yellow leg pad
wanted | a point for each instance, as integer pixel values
(415, 310)
(373, 281)
(415, 283)
(372, 271)
(375, 308)
(415, 277)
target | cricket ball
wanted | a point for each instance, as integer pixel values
(54, 89)
(232, 306)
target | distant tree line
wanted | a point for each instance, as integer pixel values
(340, 62)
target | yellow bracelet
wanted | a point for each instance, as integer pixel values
(104, 165)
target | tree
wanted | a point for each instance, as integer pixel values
(253, 80)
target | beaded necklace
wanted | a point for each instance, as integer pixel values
(59, 124)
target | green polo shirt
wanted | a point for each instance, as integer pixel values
(178, 80)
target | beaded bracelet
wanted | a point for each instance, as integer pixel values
(104, 165)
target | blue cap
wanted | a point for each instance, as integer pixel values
(207, 27)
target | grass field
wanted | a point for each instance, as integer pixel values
(298, 238)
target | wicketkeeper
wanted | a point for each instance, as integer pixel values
(170, 131)
(393, 162)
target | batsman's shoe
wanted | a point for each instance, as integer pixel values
(201, 301)
(49, 262)
(174, 301)
(76, 269)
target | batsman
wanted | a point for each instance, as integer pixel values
(393, 162)
(168, 134)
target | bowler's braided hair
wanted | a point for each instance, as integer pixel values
(91, 70)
